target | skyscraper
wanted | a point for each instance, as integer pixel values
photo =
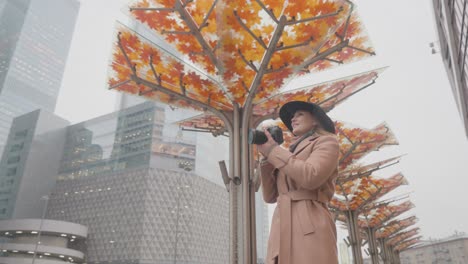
(452, 26)
(35, 37)
(29, 164)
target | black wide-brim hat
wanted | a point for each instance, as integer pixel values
(287, 111)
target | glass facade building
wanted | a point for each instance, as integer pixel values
(34, 44)
(133, 183)
(29, 164)
(452, 25)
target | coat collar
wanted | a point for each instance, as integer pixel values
(304, 143)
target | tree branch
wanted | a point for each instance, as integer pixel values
(335, 61)
(323, 55)
(271, 70)
(259, 40)
(249, 63)
(155, 87)
(176, 32)
(362, 50)
(156, 76)
(205, 23)
(185, 15)
(268, 11)
(294, 21)
(305, 43)
(119, 84)
(119, 42)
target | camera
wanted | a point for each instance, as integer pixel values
(258, 137)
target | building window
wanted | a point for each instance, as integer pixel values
(21, 134)
(447, 52)
(17, 147)
(11, 171)
(14, 159)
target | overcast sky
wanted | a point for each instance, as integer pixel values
(413, 96)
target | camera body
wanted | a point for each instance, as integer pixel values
(258, 137)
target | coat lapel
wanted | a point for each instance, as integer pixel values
(306, 142)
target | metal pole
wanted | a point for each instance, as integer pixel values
(246, 191)
(354, 237)
(396, 257)
(235, 190)
(388, 258)
(392, 252)
(232, 204)
(391, 255)
(232, 210)
(46, 198)
(252, 207)
(373, 251)
(383, 251)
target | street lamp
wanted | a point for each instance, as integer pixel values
(46, 199)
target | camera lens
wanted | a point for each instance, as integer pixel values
(257, 137)
(277, 134)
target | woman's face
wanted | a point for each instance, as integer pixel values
(302, 122)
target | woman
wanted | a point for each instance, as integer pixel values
(302, 182)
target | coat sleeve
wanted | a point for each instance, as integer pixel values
(268, 179)
(315, 170)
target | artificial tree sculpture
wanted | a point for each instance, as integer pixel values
(402, 236)
(352, 198)
(386, 232)
(225, 58)
(377, 215)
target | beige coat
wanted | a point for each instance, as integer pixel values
(302, 183)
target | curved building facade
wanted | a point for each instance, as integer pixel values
(42, 241)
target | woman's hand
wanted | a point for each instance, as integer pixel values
(266, 148)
